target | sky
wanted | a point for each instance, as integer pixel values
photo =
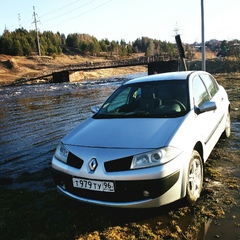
(126, 19)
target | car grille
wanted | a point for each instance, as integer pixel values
(121, 164)
(74, 161)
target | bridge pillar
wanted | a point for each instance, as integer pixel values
(59, 77)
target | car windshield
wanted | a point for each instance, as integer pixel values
(164, 99)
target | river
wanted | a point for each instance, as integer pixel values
(33, 119)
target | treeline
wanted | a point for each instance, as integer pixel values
(23, 43)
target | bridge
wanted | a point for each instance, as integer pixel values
(154, 63)
(110, 64)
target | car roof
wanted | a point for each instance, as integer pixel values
(181, 75)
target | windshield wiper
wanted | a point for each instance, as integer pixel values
(140, 114)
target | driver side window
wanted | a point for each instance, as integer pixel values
(200, 92)
(119, 101)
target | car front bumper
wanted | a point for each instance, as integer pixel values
(128, 194)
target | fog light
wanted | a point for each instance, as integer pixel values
(62, 184)
(145, 193)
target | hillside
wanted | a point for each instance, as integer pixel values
(13, 68)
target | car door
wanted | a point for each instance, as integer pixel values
(217, 97)
(205, 122)
(215, 94)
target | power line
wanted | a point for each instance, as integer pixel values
(66, 12)
(60, 8)
(82, 13)
(63, 7)
(55, 11)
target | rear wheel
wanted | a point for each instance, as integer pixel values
(227, 132)
(195, 177)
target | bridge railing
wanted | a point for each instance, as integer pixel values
(108, 64)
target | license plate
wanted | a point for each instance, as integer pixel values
(101, 186)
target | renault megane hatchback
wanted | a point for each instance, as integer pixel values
(147, 144)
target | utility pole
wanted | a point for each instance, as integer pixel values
(176, 30)
(36, 28)
(203, 38)
(19, 20)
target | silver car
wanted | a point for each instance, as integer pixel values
(147, 144)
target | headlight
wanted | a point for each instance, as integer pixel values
(61, 153)
(156, 157)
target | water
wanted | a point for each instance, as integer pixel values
(33, 119)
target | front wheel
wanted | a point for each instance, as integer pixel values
(194, 177)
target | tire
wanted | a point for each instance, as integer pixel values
(194, 178)
(227, 132)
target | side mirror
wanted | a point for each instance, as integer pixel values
(94, 109)
(206, 107)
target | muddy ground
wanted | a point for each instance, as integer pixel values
(28, 214)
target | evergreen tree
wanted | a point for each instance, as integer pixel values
(72, 40)
(103, 45)
(25, 46)
(17, 48)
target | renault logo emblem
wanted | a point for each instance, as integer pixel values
(93, 164)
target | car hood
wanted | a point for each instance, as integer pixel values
(124, 133)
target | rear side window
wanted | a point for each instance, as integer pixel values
(210, 83)
(200, 92)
